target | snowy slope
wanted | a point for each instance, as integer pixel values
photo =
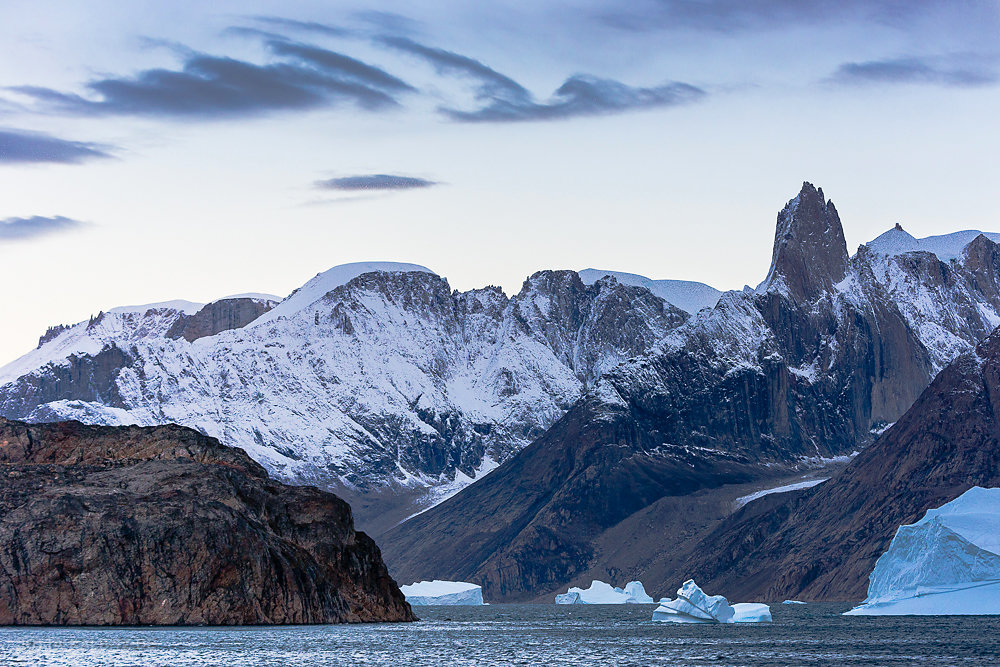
(325, 282)
(897, 241)
(688, 295)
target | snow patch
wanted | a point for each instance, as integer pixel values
(743, 500)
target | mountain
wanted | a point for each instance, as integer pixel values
(374, 380)
(822, 543)
(825, 353)
(687, 295)
(108, 525)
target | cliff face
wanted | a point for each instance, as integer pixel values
(219, 316)
(821, 544)
(164, 526)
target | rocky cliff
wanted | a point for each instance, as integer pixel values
(821, 543)
(164, 526)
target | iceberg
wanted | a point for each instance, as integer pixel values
(694, 606)
(947, 563)
(792, 602)
(751, 612)
(443, 592)
(603, 593)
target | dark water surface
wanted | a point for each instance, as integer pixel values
(547, 635)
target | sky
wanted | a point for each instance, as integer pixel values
(152, 151)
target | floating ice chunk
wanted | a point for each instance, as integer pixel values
(569, 598)
(637, 594)
(694, 606)
(443, 592)
(602, 593)
(946, 563)
(792, 602)
(751, 612)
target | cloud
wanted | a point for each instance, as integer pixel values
(960, 71)
(732, 16)
(18, 147)
(23, 229)
(375, 182)
(491, 82)
(210, 87)
(303, 26)
(583, 95)
(331, 61)
(916, 70)
(505, 100)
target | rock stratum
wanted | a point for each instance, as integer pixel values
(164, 526)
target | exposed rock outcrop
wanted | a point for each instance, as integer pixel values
(219, 316)
(821, 543)
(164, 526)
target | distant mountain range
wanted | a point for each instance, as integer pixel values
(615, 412)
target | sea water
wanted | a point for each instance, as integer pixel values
(549, 635)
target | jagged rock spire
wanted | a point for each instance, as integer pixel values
(810, 252)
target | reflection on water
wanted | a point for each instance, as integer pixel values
(528, 635)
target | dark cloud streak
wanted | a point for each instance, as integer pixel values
(303, 26)
(733, 16)
(20, 147)
(23, 229)
(374, 182)
(217, 87)
(332, 61)
(583, 96)
(505, 100)
(917, 71)
(491, 82)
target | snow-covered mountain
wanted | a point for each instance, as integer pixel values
(688, 295)
(376, 380)
(825, 353)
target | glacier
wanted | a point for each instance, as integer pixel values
(443, 592)
(693, 605)
(947, 563)
(604, 593)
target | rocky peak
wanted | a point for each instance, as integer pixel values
(810, 252)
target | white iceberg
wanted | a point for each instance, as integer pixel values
(751, 612)
(792, 602)
(946, 563)
(694, 606)
(603, 593)
(443, 592)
